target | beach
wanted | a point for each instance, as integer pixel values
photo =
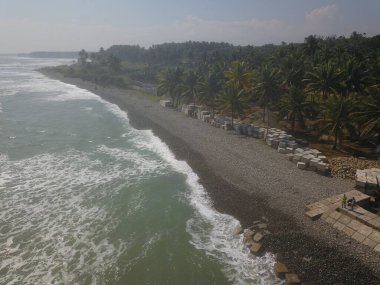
(250, 181)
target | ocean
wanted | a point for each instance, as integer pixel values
(87, 199)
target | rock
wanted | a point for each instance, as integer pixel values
(258, 237)
(262, 226)
(248, 233)
(280, 270)
(291, 279)
(238, 230)
(266, 232)
(307, 259)
(248, 241)
(256, 248)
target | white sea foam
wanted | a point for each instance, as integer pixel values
(212, 231)
(51, 224)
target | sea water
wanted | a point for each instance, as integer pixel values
(87, 199)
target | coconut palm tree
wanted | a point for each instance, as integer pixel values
(190, 86)
(295, 107)
(239, 74)
(369, 116)
(355, 77)
(325, 79)
(233, 100)
(337, 112)
(267, 87)
(311, 45)
(209, 88)
(170, 83)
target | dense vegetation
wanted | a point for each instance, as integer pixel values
(323, 85)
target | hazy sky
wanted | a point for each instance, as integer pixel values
(30, 25)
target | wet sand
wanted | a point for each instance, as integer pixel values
(248, 180)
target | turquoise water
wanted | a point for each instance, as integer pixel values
(87, 199)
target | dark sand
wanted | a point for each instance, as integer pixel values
(248, 180)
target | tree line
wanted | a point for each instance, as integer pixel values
(330, 85)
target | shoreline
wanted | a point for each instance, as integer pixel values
(249, 181)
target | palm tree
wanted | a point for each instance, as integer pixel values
(233, 100)
(190, 86)
(356, 77)
(325, 80)
(209, 88)
(369, 116)
(311, 45)
(337, 111)
(267, 87)
(170, 83)
(295, 107)
(239, 74)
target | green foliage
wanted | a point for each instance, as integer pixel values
(171, 84)
(325, 80)
(369, 116)
(267, 87)
(336, 113)
(233, 100)
(295, 107)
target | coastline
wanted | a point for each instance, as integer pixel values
(249, 181)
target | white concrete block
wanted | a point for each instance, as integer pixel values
(289, 149)
(323, 158)
(301, 165)
(289, 156)
(282, 150)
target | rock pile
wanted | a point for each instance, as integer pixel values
(254, 235)
(345, 167)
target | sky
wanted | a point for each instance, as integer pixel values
(70, 25)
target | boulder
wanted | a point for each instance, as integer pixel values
(256, 248)
(262, 226)
(248, 233)
(292, 279)
(258, 237)
(280, 270)
(238, 230)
